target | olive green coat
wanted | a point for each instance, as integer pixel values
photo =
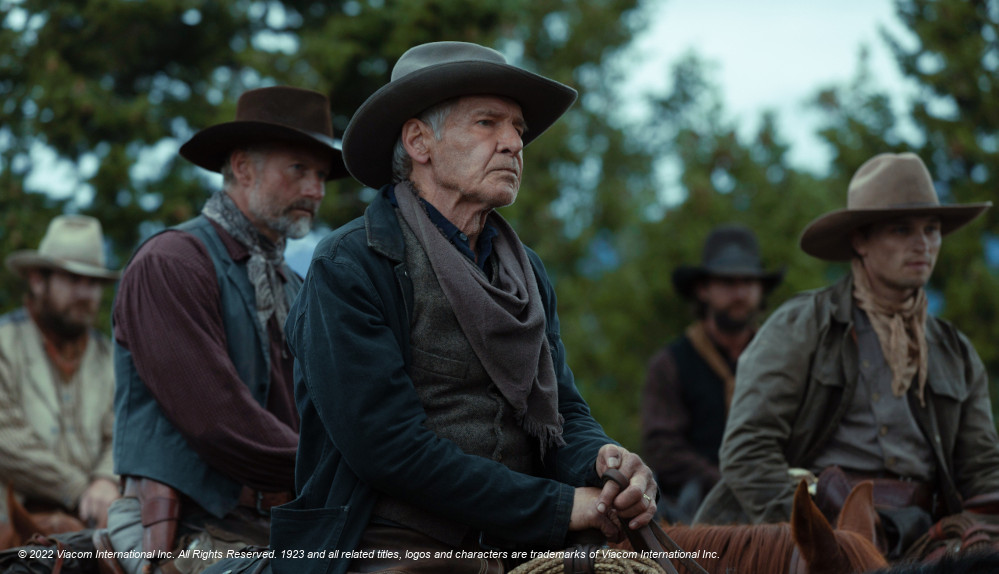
(794, 384)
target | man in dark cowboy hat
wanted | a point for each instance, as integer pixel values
(57, 379)
(690, 381)
(857, 381)
(438, 412)
(206, 425)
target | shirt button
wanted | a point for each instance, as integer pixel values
(883, 430)
(865, 364)
(463, 237)
(875, 397)
(890, 462)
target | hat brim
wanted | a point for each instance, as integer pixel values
(686, 277)
(827, 237)
(20, 262)
(375, 127)
(210, 147)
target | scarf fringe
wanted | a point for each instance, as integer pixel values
(548, 435)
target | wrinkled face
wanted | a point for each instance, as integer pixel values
(66, 304)
(288, 184)
(480, 153)
(732, 302)
(899, 254)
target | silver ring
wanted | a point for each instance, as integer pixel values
(647, 497)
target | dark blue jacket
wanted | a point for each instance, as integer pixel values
(362, 422)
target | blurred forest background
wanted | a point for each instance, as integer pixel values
(115, 86)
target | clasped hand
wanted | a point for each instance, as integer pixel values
(597, 507)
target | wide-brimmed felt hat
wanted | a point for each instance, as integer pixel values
(269, 115)
(432, 73)
(72, 243)
(729, 251)
(886, 187)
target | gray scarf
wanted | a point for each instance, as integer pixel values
(266, 257)
(504, 323)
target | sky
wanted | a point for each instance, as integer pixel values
(766, 55)
(772, 55)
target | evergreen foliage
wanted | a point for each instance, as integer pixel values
(610, 202)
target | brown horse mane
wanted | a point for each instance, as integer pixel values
(763, 548)
(760, 547)
(738, 547)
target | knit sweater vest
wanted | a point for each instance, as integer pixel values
(462, 403)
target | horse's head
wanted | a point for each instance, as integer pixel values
(851, 547)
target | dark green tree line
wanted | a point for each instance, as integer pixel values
(121, 84)
(114, 87)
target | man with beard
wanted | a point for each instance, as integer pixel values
(206, 424)
(689, 384)
(56, 378)
(857, 381)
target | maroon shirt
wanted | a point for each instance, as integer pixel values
(168, 314)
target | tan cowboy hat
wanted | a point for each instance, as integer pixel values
(72, 243)
(269, 115)
(887, 186)
(432, 73)
(729, 251)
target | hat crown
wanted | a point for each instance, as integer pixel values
(731, 248)
(296, 108)
(886, 186)
(892, 180)
(75, 238)
(437, 53)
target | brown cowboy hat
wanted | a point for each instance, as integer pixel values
(729, 251)
(72, 243)
(432, 73)
(887, 186)
(268, 115)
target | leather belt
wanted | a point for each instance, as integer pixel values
(261, 501)
(890, 491)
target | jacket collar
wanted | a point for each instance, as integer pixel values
(842, 300)
(382, 227)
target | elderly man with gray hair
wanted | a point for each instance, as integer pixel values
(438, 412)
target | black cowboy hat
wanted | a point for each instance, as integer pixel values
(268, 115)
(729, 251)
(432, 73)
